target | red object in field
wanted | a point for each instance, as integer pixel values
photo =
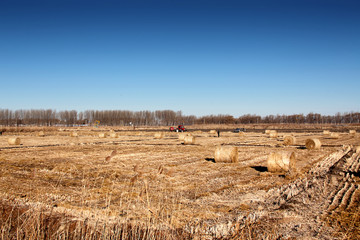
(180, 128)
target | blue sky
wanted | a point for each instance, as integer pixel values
(200, 57)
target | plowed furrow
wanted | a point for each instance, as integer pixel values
(355, 198)
(338, 197)
(345, 200)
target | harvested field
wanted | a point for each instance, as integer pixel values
(176, 190)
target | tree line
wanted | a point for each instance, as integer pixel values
(50, 117)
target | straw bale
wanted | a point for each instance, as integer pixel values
(182, 135)
(352, 132)
(102, 135)
(335, 135)
(213, 132)
(267, 131)
(357, 149)
(281, 161)
(73, 134)
(158, 135)
(289, 140)
(113, 135)
(273, 134)
(14, 141)
(312, 143)
(227, 154)
(326, 132)
(189, 140)
(41, 134)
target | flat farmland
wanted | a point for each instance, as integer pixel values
(132, 178)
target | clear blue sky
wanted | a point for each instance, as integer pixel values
(201, 57)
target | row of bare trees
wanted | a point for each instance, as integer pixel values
(50, 117)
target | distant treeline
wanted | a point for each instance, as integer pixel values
(50, 117)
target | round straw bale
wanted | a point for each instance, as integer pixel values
(267, 131)
(73, 134)
(182, 135)
(312, 143)
(113, 135)
(334, 135)
(41, 134)
(357, 149)
(158, 135)
(289, 140)
(227, 154)
(273, 134)
(326, 132)
(352, 131)
(281, 161)
(14, 141)
(189, 140)
(213, 132)
(102, 135)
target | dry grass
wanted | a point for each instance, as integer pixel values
(138, 181)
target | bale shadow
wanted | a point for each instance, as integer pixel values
(260, 168)
(210, 159)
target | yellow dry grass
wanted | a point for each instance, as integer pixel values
(136, 178)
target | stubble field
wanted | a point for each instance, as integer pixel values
(161, 188)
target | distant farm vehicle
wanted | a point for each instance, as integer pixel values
(180, 128)
(237, 130)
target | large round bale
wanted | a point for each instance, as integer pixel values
(281, 161)
(357, 149)
(312, 143)
(158, 135)
(289, 140)
(102, 135)
(41, 134)
(14, 141)
(189, 140)
(73, 134)
(182, 135)
(335, 135)
(273, 134)
(326, 132)
(353, 132)
(213, 132)
(227, 154)
(113, 135)
(267, 131)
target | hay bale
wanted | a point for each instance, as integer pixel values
(14, 141)
(102, 135)
(213, 132)
(73, 134)
(267, 131)
(335, 135)
(353, 132)
(357, 149)
(312, 143)
(289, 140)
(273, 134)
(41, 134)
(281, 161)
(326, 132)
(182, 135)
(158, 135)
(227, 154)
(189, 140)
(113, 135)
